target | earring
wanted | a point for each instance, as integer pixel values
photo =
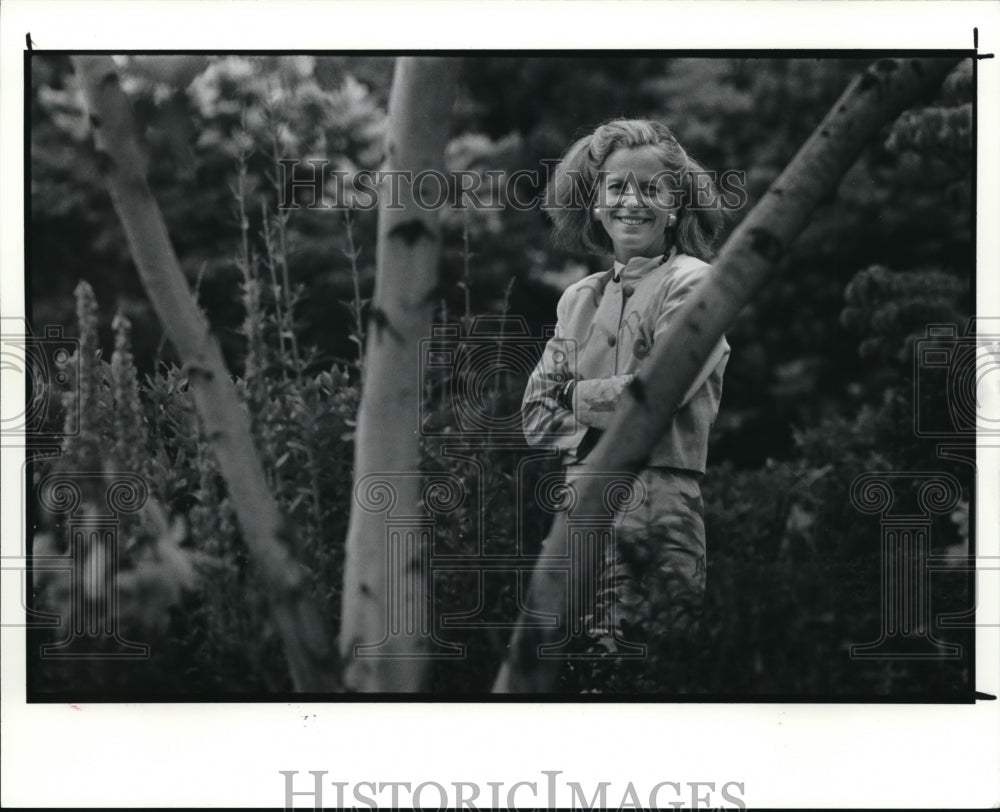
(671, 220)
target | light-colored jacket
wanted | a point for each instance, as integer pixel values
(606, 327)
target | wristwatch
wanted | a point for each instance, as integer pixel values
(564, 396)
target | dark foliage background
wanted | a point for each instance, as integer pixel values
(820, 387)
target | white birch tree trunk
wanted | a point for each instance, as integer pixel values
(387, 436)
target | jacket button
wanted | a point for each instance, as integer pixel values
(612, 341)
(627, 291)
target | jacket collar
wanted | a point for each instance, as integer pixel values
(638, 267)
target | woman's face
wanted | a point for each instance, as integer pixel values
(634, 202)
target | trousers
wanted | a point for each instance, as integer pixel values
(655, 569)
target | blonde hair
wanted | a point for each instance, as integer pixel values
(572, 192)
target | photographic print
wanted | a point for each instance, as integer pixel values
(614, 378)
(343, 335)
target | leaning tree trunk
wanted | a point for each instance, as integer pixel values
(308, 647)
(875, 98)
(386, 607)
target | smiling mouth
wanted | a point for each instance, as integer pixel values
(632, 220)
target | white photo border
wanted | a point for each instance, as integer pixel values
(179, 755)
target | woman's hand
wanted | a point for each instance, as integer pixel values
(595, 401)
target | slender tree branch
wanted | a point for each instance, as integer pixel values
(311, 657)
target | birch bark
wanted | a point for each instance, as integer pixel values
(387, 435)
